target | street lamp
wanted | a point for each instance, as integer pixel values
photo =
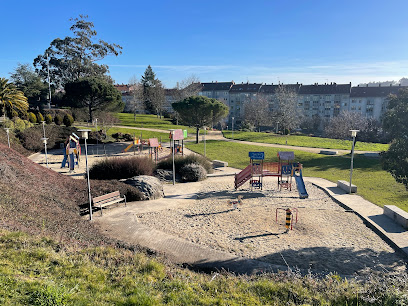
(353, 134)
(97, 135)
(45, 149)
(232, 127)
(205, 132)
(8, 136)
(85, 136)
(172, 148)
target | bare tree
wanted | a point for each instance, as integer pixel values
(187, 87)
(256, 111)
(107, 121)
(288, 114)
(136, 104)
(339, 127)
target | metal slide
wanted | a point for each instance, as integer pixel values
(301, 185)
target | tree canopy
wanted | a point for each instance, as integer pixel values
(288, 115)
(12, 100)
(30, 83)
(200, 111)
(93, 93)
(395, 121)
(75, 57)
(152, 92)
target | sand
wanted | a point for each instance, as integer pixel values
(326, 238)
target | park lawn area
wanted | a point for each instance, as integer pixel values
(374, 184)
(152, 122)
(145, 134)
(305, 141)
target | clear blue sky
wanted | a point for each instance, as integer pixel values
(256, 41)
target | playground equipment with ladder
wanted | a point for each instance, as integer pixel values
(284, 169)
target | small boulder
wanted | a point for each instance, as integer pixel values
(150, 186)
(193, 173)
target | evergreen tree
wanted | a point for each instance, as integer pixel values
(152, 92)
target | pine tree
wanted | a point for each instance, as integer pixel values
(153, 92)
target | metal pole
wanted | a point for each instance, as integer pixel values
(351, 166)
(87, 178)
(97, 135)
(205, 151)
(232, 127)
(45, 148)
(43, 123)
(8, 137)
(174, 166)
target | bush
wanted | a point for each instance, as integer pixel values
(68, 120)
(8, 124)
(19, 124)
(80, 114)
(32, 117)
(58, 120)
(124, 137)
(31, 138)
(48, 119)
(40, 117)
(181, 161)
(193, 173)
(121, 168)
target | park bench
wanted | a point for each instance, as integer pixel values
(108, 199)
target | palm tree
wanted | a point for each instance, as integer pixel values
(12, 99)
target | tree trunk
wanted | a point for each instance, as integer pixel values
(197, 132)
(90, 113)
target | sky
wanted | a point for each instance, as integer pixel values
(271, 41)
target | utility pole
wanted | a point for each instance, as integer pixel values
(48, 80)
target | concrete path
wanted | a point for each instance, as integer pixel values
(385, 227)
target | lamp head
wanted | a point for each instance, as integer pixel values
(7, 130)
(44, 140)
(84, 133)
(354, 133)
(172, 131)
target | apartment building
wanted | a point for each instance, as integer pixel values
(216, 90)
(371, 101)
(323, 100)
(269, 93)
(239, 94)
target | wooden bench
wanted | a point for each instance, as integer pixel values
(108, 199)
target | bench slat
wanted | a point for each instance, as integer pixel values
(108, 195)
(108, 199)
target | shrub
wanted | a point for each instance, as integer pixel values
(8, 124)
(32, 117)
(58, 120)
(193, 173)
(121, 168)
(40, 117)
(19, 124)
(68, 120)
(181, 161)
(48, 119)
(120, 136)
(80, 114)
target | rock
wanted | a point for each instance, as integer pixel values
(193, 173)
(150, 186)
(166, 175)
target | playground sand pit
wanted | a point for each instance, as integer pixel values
(326, 238)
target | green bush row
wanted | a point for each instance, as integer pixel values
(67, 119)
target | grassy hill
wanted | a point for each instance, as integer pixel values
(50, 255)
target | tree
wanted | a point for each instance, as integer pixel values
(257, 111)
(152, 92)
(288, 114)
(200, 111)
(30, 83)
(93, 93)
(187, 87)
(135, 105)
(12, 100)
(395, 160)
(75, 57)
(339, 127)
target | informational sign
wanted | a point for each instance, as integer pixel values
(153, 142)
(257, 155)
(185, 133)
(178, 134)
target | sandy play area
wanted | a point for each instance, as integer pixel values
(325, 238)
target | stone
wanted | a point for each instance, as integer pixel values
(193, 173)
(328, 152)
(346, 186)
(150, 186)
(219, 163)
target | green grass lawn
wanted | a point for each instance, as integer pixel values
(151, 121)
(40, 271)
(374, 184)
(305, 141)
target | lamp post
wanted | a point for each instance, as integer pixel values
(85, 136)
(43, 124)
(172, 149)
(205, 132)
(97, 135)
(353, 134)
(8, 136)
(232, 126)
(277, 127)
(45, 149)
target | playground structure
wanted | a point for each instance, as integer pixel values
(284, 170)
